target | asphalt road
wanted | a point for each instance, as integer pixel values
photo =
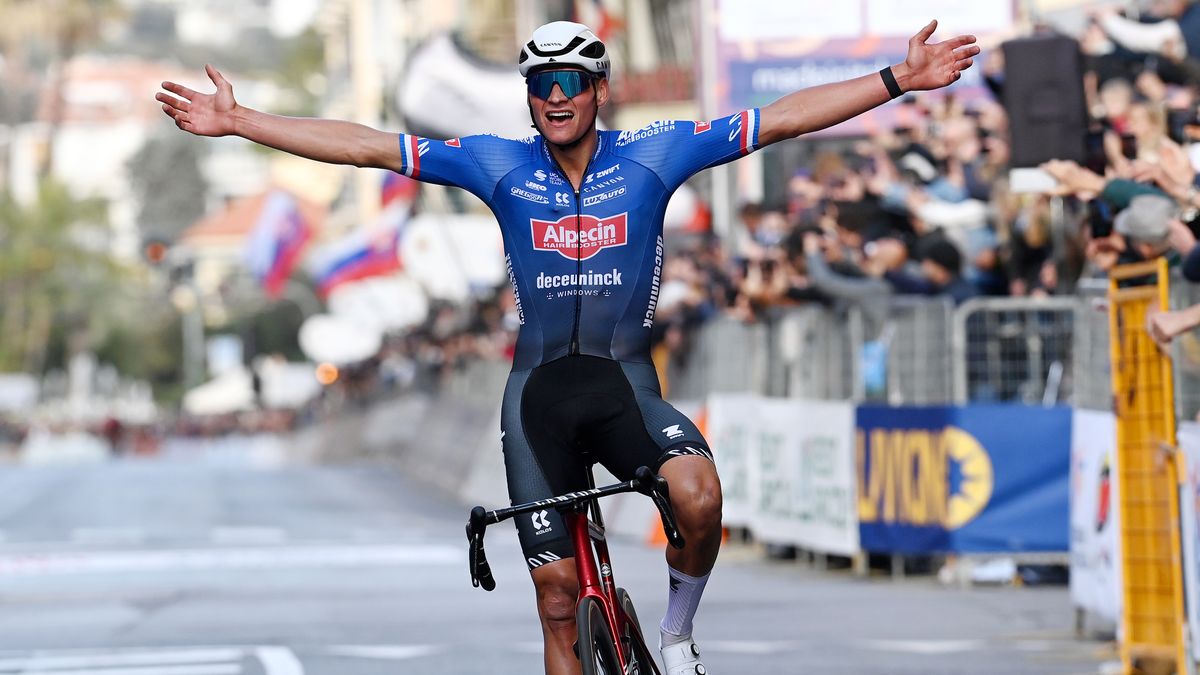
(226, 562)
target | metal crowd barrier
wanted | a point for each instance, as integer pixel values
(1037, 351)
(1014, 349)
(1092, 359)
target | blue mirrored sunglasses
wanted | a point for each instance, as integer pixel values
(572, 82)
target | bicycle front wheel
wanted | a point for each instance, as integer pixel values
(640, 658)
(597, 649)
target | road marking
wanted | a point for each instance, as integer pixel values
(279, 661)
(108, 535)
(248, 535)
(39, 662)
(94, 562)
(214, 669)
(926, 647)
(387, 652)
(759, 647)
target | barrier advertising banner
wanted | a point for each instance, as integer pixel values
(974, 479)
(1095, 516)
(787, 469)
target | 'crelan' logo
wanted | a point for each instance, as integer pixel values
(922, 477)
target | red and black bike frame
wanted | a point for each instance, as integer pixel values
(595, 574)
(592, 563)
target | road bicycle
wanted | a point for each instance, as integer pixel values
(610, 637)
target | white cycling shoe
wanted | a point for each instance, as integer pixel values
(682, 658)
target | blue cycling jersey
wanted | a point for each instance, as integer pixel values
(585, 266)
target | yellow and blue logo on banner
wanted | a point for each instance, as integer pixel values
(906, 476)
(963, 479)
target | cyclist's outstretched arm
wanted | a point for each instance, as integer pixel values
(927, 66)
(331, 141)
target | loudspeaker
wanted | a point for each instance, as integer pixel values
(1043, 96)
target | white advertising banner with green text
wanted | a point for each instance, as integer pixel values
(787, 469)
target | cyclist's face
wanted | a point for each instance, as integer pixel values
(564, 120)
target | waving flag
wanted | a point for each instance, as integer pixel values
(370, 251)
(276, 242)
(593, 13)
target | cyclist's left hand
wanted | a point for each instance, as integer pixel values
(931, 66)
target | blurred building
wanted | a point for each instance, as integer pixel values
(102, 120)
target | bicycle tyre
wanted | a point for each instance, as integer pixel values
(642, 658)
(597, 649)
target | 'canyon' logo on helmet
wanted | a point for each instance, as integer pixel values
(585, 239)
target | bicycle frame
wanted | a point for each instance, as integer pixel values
(592, 563)
(596, 576)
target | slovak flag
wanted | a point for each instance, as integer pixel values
(369, 251)
(276, 242)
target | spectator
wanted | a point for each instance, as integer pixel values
(941, 273)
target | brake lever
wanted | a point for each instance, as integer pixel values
(481, 572)
(656, 488)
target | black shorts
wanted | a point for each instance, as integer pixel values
(556, 413)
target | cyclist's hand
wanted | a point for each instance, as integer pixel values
(201, 114)
(930, 66)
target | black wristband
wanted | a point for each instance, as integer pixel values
(889, 81)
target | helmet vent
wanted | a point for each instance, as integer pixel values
(595, 50)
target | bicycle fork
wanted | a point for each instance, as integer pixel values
(591, 554)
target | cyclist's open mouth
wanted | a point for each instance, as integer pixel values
(559, 118)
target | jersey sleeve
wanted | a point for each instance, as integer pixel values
(475, 163)
(676, 150)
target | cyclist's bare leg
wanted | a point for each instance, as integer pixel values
(696, 498)
(557, 588)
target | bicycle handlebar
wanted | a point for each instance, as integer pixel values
(645, 481)
(655, 487)
(481, 571)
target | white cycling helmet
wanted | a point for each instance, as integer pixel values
(563, 43)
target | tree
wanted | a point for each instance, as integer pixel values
(53, 273)
(166, 176)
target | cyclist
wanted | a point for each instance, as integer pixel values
(581, 212)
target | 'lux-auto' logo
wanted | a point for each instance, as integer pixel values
(583, 239)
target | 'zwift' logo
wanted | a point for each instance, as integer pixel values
(583, 239)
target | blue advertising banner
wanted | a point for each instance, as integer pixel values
(755, 51)
(975, 479)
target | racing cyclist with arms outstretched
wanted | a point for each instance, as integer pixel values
(581, 212)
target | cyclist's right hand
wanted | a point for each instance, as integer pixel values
(201, 114)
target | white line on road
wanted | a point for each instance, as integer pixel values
(279, 661)
(93, 562)
(212, 669)
(41, 662)
(760, 647)
(248, 535)
(927, 647)
(108, 535)
(387, 652)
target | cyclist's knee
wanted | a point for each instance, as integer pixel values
(702, 510)
(557, 590)
(695, 494)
